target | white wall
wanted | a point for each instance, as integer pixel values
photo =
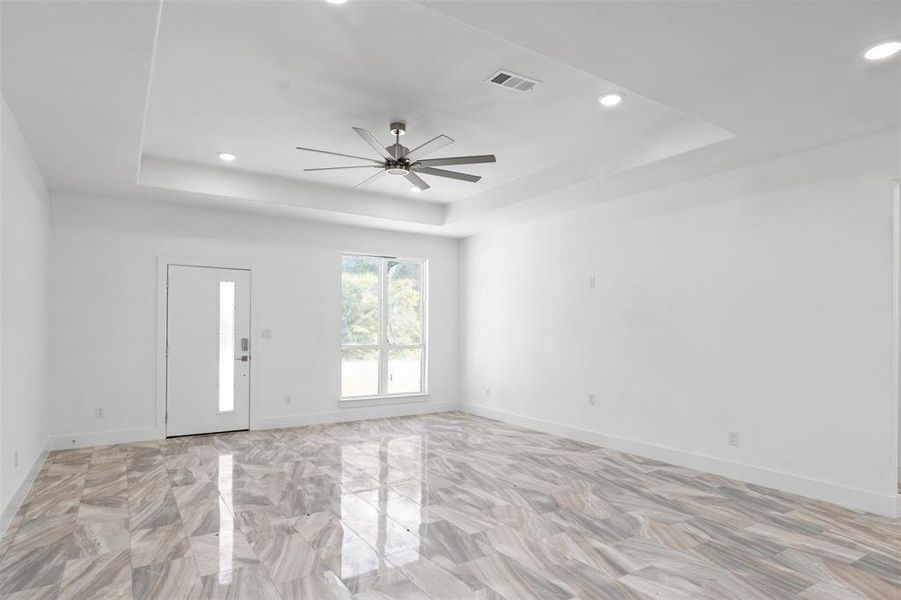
(104, 311)
(732, 303)
(24, 225)
(717, 308)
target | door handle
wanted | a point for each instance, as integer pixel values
(244, 358)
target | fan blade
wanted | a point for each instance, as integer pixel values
(353, 167)
(378, 162)
(369, 180)
(446, 173)
(372, 141)
(434, 144)
(458, 160)
(417, 181)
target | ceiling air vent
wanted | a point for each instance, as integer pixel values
(520, 83)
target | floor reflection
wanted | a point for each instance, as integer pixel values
(383, 518)
(435, 506)
(226, 520)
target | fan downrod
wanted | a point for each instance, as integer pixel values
(398, 166)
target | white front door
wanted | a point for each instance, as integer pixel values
(208, 350)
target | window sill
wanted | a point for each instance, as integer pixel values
(382, 400)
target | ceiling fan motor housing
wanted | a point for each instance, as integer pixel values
(397, 150)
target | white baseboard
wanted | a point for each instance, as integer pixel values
(104, 438)
(9, 512)
(886, 505)
(356, 413)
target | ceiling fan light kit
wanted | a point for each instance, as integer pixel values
(397, 159)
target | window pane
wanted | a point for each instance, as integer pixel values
(226, 346)
(404, 303)
(404, 370)
(360, 301)
(359, 372)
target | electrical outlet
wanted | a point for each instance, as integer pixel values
(288, 399)
(98, 413)
(266, 334)
(592, 282)
(592, 399)
(733, 438)
(487, 392)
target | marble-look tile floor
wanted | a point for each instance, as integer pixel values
(438, 506)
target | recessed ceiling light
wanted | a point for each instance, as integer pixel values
(415, 190)
(611, 99)
(227, 156)
(336, 1)
(883, 50)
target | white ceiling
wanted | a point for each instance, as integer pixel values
(135, 99)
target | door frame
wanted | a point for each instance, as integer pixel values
(162, 327)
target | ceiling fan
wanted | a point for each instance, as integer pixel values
(400, 160)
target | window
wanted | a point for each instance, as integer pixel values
(382, 326)
(226, 346)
